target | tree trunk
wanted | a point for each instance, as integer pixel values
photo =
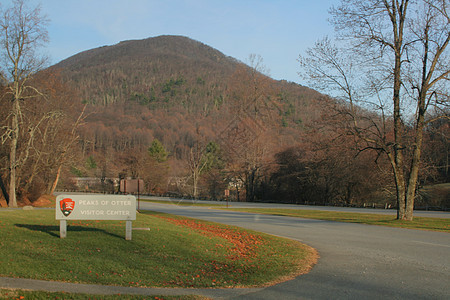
(250, 185)
(398, 166)
(412, 184)
(415, 162)
(55, 183)
(398, 124)
(13, 154)
(5, 193)
(400, 186)
(195, 184)
(401, 200)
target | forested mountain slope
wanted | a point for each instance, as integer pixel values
(217, 123)
(150, 70)
(164, 87)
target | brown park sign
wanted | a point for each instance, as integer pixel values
(95, 207)
(132, 186)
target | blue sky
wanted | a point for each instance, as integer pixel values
(278, 30)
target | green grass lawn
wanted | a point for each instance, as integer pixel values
(183, 202)
(435, 224)
(175, 252)
(35, 295)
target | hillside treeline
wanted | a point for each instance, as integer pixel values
(193, 122)
(277, 141)
(47, 141)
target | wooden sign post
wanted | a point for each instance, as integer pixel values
(227, 195)
(132, 186)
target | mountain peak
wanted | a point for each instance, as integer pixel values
(160, 47)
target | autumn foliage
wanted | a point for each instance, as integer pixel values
(275, 140)
(243, 243)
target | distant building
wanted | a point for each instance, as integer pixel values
(93, 183)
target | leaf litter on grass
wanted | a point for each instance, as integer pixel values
(192, 253)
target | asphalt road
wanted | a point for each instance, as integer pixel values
(356, 261)
(368, 210)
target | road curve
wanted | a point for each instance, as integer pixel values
(356, 261)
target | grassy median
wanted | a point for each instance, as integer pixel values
(434, 224)
(174, 252)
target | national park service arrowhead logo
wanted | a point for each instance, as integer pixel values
(67, 205)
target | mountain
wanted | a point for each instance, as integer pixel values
(146, 69)
(175, 89)
(264, 139)
(175, 48)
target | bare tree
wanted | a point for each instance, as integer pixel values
(247, 138)
(197, 163)
(397, 50)
(22, 33)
